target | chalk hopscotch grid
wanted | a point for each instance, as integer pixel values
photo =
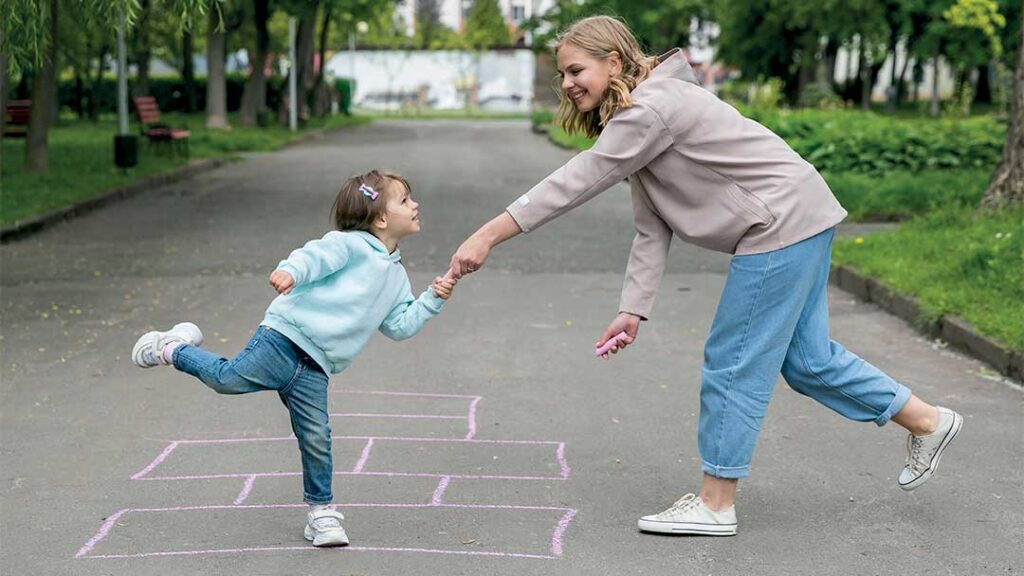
(556, 544)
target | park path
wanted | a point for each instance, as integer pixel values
(493, 443)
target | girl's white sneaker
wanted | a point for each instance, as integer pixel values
(148, 350)
(323, 528)
(689, 515)
(924, 452)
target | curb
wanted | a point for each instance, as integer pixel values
(37, 223)
(953, 329)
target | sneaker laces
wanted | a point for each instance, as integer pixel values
(917, 460)
(685, 503)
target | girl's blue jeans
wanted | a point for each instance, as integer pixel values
(772, 318)
(272, 362)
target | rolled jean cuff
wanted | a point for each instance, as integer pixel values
(316, 501)
(897, 404)
(727, 472)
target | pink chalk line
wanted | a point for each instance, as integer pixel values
(326, 551)
(156, 462)
(364, 457)
(104, 530)
(345, 473)
(419, 416)
(424, 394)
(140, 475)
(246, 489)
(439, 492)
(556, 537)
(472, 418)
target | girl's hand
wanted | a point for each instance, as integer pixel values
(282, 281)
(624, 322)
(443, 287)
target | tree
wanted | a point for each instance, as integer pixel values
(254, 96)
(29, 38)
(216, 78)
(1007, 184)
(485, 27)
(973, 39)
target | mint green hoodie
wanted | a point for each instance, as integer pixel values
(346, 286)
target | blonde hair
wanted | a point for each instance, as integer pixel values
(599, 36)
(354, 210)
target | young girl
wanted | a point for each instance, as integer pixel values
(334, 293)
(701, 171)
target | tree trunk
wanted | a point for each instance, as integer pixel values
(304, 61)
(216, 82)
(92, 106)
(1007, 184)
(983, 89)
(254, 96)
(44, 85)
(188, 74)
(831, 50)
(321, 103)
(933, 105)
(142, 49)
(865, 82)
(3, 93)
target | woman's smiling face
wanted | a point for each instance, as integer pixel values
(585, 78)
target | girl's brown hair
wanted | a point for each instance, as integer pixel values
(354, 210)
(599, 36)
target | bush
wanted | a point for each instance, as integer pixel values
(168, 91)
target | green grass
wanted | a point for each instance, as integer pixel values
(82, 165)
(956, 261)
(899, 194)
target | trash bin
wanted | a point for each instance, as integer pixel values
(126, 150)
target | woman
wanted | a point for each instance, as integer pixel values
(701, 171)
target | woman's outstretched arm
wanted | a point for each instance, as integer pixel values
(471, 255)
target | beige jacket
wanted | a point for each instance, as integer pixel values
(700, 170)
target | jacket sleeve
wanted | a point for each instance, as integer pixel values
(317, 259)
(408, 316)
(647, 258)
(635, 136)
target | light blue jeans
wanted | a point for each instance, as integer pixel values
(272, 362)
(772, 318)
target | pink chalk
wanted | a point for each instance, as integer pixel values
(609, 344)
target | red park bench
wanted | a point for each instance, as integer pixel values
(16, 118)
(156, 132)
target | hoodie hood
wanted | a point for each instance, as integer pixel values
(673, 64)
(378, 246)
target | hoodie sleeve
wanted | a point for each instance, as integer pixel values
(408, 316)
(647, 258)
(635, 136)
(317, 259)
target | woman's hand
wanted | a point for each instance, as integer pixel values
(624, 322)
(471, 255)
(282, 281)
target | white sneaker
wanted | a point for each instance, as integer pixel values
(323, 528)
(148, 350)
(690, 516)
(923, 452)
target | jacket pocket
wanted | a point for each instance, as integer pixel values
(750, 203)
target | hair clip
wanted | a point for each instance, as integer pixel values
(368, 191)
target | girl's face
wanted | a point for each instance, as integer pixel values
(584, 77)
(403, 215)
